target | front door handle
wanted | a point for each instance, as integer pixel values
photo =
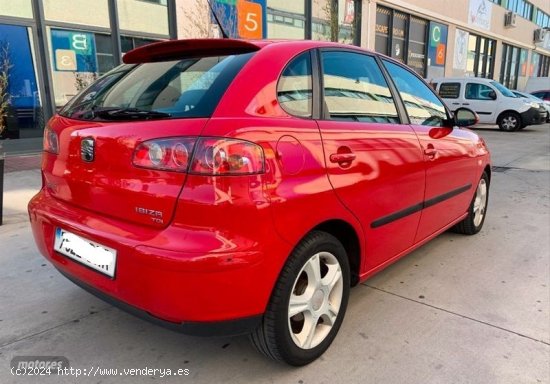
(430, 151)
(342, 157)
(465, 103)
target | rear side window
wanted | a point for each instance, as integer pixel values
(449, 90)
(355, 89)
(294, 90)
(476, 91)
(421, 103)
(184, 88)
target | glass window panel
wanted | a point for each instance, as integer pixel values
(294, 89)
(421, 103)
(449, 90)
(417, 46)
(399, 35)
(346, 21)
(126, 44)
(382, 30)
(103, 44)
(476, 91)
(23, 117)
(355, 89)
(324, 21)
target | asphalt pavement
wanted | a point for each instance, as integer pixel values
(458, 310)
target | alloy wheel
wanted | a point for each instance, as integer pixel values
(315, 300)
(510, 123)
(480, 202)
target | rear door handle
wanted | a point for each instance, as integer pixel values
(342, 157)
(465, 104)
(456, 103)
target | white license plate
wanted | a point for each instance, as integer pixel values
(92, 254)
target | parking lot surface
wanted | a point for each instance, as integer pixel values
(458, 310)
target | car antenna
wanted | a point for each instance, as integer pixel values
(224, 34)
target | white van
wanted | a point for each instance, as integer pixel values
(492, 101)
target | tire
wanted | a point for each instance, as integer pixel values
(473, 223)
(509, 122)
(286, 338)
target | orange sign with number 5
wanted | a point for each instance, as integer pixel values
(250, 23)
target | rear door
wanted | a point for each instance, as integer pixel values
(374, 162)
(452, 92)
(449, 153)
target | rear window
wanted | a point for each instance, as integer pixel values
(184, 88)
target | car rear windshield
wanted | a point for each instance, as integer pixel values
(190, 87)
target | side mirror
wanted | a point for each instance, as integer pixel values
(492, 95)
(465, 117)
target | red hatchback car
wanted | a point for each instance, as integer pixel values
(231, 187)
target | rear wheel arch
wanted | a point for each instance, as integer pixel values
(348, 236)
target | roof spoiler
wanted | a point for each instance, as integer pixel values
(179, 49)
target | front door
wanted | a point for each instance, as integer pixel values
(449, 153)
(374, 163)
(477, 97)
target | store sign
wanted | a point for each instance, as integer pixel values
(250, 20)
(74, 51)
(437, 50)
(479, 13)
(461, 49)
(241, 18)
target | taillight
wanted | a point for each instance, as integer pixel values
(171, 154)
(219, 156)
(206, 156)
(51, 141)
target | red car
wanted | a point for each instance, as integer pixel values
(231, 187)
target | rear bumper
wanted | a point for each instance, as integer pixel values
(533, 116)
(220, 291)
(221, 328)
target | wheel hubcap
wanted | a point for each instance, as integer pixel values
(480, 202)
(315, 300)
(509, 122)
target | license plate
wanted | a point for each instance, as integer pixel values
(87, 252)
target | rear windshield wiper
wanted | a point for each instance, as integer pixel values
(128, 114)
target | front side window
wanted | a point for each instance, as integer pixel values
(476, 91)
(190, 87)
(421, 103)
(355, 89)
(294, 90)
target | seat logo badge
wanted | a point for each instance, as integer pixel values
(87, 149)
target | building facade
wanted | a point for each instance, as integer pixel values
(57, 47)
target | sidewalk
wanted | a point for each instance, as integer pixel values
(22, 181)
